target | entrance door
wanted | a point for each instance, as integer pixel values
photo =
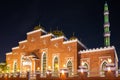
(26, 64)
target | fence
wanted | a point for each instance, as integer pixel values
(62, 76)
(69, 78)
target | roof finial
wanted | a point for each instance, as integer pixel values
(39, 25)
(73, 33)
(73, 36)
(58, 33)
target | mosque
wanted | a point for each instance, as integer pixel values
(43, 51)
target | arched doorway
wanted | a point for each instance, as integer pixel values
(44, 64)
(103, 66)
(26, 64)
(87, 67)
(56, 65)
(69, 66)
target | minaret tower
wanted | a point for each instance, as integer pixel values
(106, 26)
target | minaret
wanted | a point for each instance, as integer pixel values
(106, 26)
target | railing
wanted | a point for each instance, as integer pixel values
(53, 76)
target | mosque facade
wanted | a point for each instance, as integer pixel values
(43, 51)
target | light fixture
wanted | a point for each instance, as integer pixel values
(49, 67)
(82, 63)
(64, 66)
(109, 69)
(47, 72)
(81, 70)
(63, 72)
(18, 70)
(109, 60)
(38, 68)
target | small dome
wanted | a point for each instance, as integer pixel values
(73, 37)
(38, 27)
(58, 33)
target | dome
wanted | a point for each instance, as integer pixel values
(38, 27)
(58, 33)
(73, 37)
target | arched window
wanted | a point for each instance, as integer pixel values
(87, 67)
(56, 66)
(15, 66)
(104, 65)
(44, 63)
(85, 64)
(69, 66)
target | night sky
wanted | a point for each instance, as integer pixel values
(83, 17)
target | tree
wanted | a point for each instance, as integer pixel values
(3, 67)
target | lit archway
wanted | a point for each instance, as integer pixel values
(85, 64)
(87, 67)
(56, 65)
(102, 67)
(44, 64)
(15, 66)
(69, 66)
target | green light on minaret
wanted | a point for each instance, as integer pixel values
(106, 18)
(106, 26)
(106, 7)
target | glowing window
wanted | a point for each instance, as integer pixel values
(69, 66)
(44, 64)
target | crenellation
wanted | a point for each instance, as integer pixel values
(97, 49)
(69, 41)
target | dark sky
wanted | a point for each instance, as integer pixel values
(84, 17)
